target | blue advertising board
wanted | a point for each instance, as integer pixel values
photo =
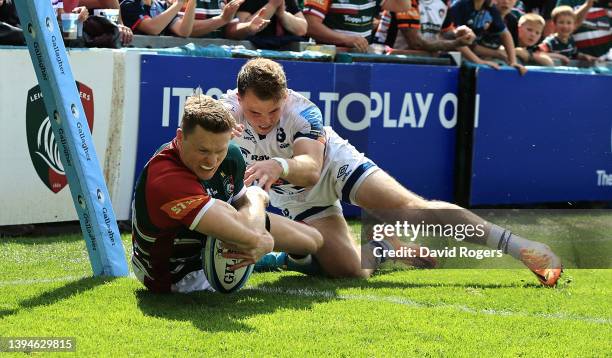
(401, 116)
(544, 137)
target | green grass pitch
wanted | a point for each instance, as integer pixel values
(45, 290)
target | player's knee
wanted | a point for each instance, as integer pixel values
(313, 238)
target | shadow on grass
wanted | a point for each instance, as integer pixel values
(58, 294)
(211, 311)
(215, 312)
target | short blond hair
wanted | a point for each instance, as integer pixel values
(532, 18)
(206, 112)
(264, 77)
(563, 10)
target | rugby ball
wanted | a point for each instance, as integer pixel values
(216, 268)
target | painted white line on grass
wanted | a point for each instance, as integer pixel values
(41, 280)
(305, 292)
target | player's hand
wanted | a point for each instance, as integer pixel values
(265, 173)
(358, 43)
(126, 34)
(237, 130)
(256, 193)
(230, 9)
(248, 257)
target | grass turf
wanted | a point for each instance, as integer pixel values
(45, 291)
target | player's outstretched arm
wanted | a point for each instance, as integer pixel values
(243, 229)
(303, 169)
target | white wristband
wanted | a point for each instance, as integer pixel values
(283, 163)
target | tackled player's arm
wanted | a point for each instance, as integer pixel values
(243, 228)
(289, 236)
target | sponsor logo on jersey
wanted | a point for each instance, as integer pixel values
(259, 157)
(343, 172)
(245, 152)
(228, 185)
(280, 135)
(248, 135)
(178, 209)
(44, 147)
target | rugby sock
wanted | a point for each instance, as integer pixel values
(511, 244)
(306, 264)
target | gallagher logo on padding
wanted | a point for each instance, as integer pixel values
(43, 146)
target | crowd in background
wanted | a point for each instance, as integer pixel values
(515, 32)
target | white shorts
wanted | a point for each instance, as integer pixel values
(344, 170)
(192, 282)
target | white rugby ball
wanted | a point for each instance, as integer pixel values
(216, 268)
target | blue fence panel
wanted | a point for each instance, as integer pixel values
(544, 137)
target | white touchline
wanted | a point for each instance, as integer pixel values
(407, 302)
(306, 292)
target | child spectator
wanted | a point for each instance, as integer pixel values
(157, 17)
(593, 35)
(561, 44)
(485, 20)
(490, 45)
(540, 7)
(530, 30)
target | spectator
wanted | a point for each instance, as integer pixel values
(212, 16)
(418, 32)
(287, 23)
(539, 7)
(485, 20)
(347, 23)
(530, 32)
(490, 45)
(561, 44)
(594, 25)
(10, 30)
(158, 17)
(126, 33)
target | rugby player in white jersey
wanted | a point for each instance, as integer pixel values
(308, 169)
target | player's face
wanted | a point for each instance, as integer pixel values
(564, 25)
(529, 33)
(203, 151)
(262, 115)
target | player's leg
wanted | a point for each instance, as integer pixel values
(339, 256)
(386, 199)
(294, 237)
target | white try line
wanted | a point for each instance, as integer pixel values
(307, 292)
